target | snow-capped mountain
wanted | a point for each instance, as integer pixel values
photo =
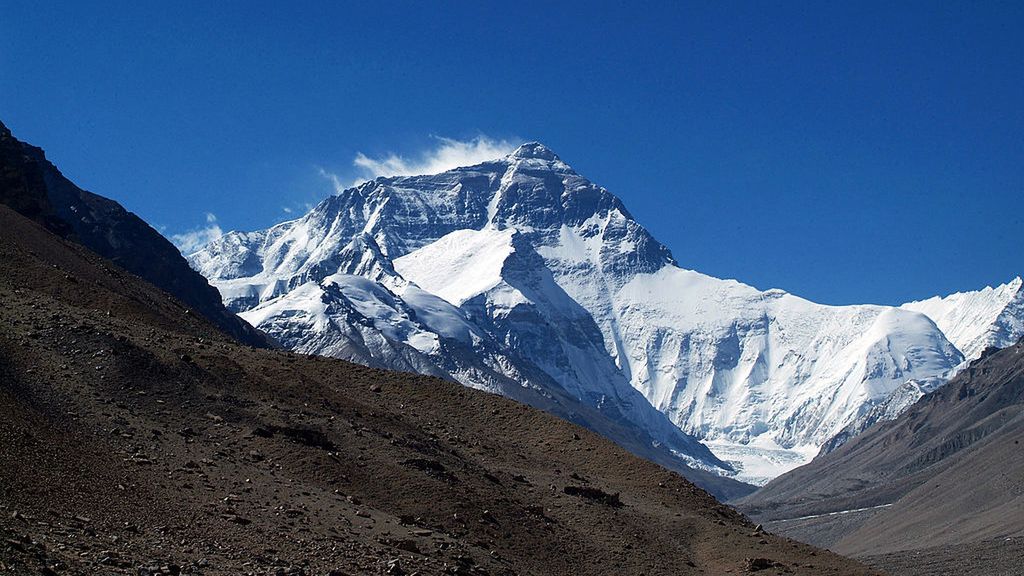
(327, 284)
(522, 277)
(975, 322)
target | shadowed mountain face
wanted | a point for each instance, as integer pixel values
(135, 438)
(948, 471)
(32, 186)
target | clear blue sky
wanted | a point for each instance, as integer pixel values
(846, 152)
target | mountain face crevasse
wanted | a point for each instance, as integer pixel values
(521, 277)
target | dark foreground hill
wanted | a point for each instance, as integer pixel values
(34, 187)
(136, 438)
(944, 480)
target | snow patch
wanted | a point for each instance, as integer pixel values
(460, 265)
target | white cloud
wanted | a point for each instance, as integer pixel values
(449, 153)
(194, 239)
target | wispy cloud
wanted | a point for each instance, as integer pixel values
(336, 182)
(192, 240)
(447, 154)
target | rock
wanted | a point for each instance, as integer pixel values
(595, 494)
(758, 564)
(403, 544)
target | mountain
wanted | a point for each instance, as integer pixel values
(328, 284)
(977, 323)
(946, 473)
(896, 403)
(34, 187)
(137, 438)
(522, 277)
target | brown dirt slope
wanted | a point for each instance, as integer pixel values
(136, 438)
(948, 472)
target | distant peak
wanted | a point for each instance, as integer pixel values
(534, 150)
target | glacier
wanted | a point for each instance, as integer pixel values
(521, 277)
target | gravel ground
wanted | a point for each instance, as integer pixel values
(1004, 557)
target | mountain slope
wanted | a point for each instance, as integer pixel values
(33, 186)
(136, 438)
(946, 471)
(574, 298)
(976, 322)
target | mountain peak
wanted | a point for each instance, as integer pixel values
(534, 150)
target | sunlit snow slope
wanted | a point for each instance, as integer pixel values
(521, 275)
(974, 321)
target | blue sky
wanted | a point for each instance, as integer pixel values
(846, 152)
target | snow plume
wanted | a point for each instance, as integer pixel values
(190, 241)
(448, 154)
(336, 182)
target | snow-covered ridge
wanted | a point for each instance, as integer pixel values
(521, 275)
(974, 321)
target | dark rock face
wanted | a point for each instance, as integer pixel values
(34, 187)
(23, 183)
